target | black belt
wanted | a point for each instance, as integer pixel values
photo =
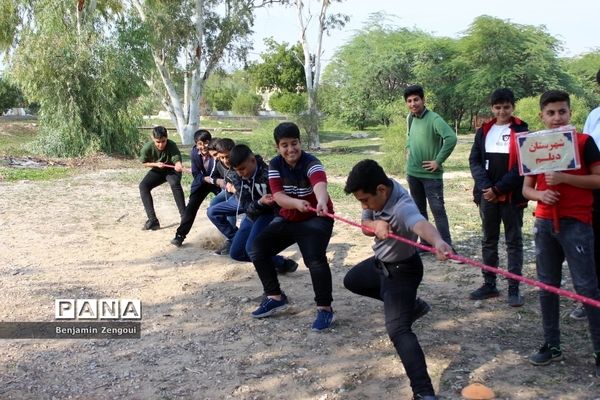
(385, 267)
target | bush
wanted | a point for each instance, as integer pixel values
(246, 103)
(288, 103)
(528, 109)
(394, 141)
(221, 98)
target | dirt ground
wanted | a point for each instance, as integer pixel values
(80, 237)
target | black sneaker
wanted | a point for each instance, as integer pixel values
(289, 265)
(597, 357)
(421, 308)
(425, 397)
(514, 297)
(546, 355)
(224, 251)
(486, 291)
(177, 240)
(578, 313)
(151, 225)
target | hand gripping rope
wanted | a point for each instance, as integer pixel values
(528, 281)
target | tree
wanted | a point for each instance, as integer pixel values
(281, 68)
(10, 96)
(187, 40)
(504, 54)
(312, 59)
(369, 74)
(64, 56)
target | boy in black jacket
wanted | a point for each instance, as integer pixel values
(254, 198)
(497, 192)
(203, 166)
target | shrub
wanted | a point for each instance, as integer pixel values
(288, 103)
(246, 103)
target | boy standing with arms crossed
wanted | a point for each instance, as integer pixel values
(498, 193)
(298, 181)
(158, 155)
(569, 194)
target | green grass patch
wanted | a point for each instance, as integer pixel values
(34, 174)
(15, 135)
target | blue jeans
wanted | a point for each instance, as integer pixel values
(312, 236)
(575, 241)
(219, 213)
(398, 292)
(431, 191)
(244, 239)
(492, 214)
(220, 197)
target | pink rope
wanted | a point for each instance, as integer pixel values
(477, 264)
(172, 166)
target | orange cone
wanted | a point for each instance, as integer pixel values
(477, 391)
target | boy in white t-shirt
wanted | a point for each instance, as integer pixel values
(497, 192)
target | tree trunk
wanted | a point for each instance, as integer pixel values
(312, 67)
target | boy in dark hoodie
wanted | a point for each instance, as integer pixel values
(203, 171)
(254, 198)
(498, 193)
(224, 208)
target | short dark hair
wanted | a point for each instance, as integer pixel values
(202, 135)
(554, 96)
(366, 175)
(239, 154)
(224, 145)
(212, 144)
(502, 95)
(414, 89)
(159, 132)
(287, 130)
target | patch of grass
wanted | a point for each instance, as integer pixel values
(15, 134)
(34, 174)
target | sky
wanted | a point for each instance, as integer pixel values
(575, 22)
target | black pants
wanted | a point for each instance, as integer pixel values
(398, 292)
(156, 178)
(312, 237)
(191, 210)
(492, 215)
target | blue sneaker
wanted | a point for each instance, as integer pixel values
(324, 320)
(270, 306)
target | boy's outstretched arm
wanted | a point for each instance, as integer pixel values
(290, 203)
(322, 197)
(428, 232)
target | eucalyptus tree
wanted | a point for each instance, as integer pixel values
(187, 41)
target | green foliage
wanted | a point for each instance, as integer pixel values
(222, 88)
(281, 68)
(367, 77)
(246, 103)
(394, 143)
(528, 109)
(584, 69)
(10, 96)
(504, 54)
(85, 84)
(288, 103)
